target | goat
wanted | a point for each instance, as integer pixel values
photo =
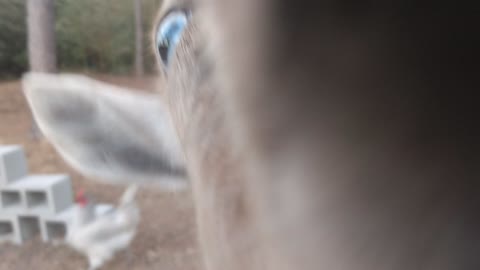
(316, 134)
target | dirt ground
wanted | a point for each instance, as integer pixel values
(166, 236)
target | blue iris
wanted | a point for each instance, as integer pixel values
(169, 33)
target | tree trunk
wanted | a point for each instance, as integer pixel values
(139, 71)
(41, 42)
(41, 35)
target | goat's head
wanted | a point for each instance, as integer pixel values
(315, 136)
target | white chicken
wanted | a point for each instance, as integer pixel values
(100, 237)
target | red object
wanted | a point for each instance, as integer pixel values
(81, 198)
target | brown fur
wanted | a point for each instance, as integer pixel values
(327, 137)
(317, 134)
(223, 213)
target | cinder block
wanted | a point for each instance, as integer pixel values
(56, 226)
(9, 229)
(35, 204)
(55, 230)
(37, 199)
(6, 230)
(13, 164)
(29, 227)
(11, 200)
(45, 194)
(62, 193)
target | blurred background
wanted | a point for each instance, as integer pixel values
(109, 41)
(89, 35)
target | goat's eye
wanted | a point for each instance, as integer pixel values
(168, 34)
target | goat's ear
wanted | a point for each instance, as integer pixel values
(106, 132)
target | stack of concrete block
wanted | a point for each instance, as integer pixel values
(32, 204)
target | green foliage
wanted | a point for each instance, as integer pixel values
(13, 53)
(92, 35)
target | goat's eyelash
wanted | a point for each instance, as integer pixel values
(168, 34)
